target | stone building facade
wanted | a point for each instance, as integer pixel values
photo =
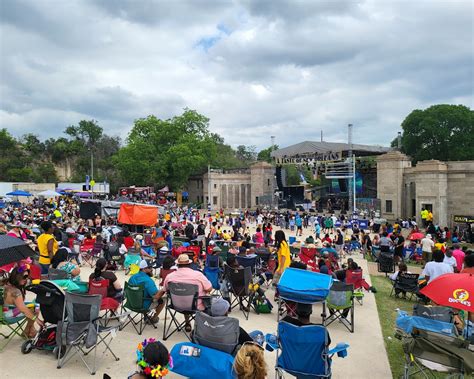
(447, 188)
(234, 189)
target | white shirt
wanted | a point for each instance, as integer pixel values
(427, 244)
(435, 269)
(450, 261)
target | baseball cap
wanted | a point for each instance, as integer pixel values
(219, 307)
(145, 264)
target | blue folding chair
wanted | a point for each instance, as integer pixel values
(197, 361)
(248, 261)
(303, 351)
(213, 275)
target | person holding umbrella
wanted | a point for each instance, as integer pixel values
(47, 246)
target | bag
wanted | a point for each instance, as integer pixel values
(262, 305)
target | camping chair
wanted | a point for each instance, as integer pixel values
(15, 325)
(303, 351)
(340, 302)
(220, 333)
(164, 273)
(438, 313)
(134, 298)
(405, 283)
(386, 263)
(57, 274)
(212, 261)
(82, 331)
(196, 361)
(248, 261)
(356, 277)
(427, 350)
(239, 280)
(108, 304)
(182, 298)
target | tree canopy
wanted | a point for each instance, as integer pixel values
(444, 132)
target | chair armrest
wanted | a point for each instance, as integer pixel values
(271, 342)
(340, 349)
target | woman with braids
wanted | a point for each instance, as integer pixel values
(153, 360)
(14, 300)
(249, 362)
(100, 272)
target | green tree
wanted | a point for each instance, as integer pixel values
(167, 152)
(444, 132)
(265, 154)
(246, 154)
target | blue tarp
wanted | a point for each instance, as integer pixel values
(303, 286)
(19, 193)
(407, 323)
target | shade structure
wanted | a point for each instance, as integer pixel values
(416, 236)
(452, 290)
(134, 214)
(19, 193)
(304, 286)
(13, 250)
(84, 194)
(49, 193)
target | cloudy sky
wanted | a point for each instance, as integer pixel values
(286, 68)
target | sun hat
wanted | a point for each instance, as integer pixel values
(183, 259)
(219, 307)
(429, 236)
(145, 264)
(211, 242)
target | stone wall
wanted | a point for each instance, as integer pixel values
(263, 182)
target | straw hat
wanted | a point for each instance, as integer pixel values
(183, 259)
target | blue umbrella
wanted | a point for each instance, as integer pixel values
(19, 193)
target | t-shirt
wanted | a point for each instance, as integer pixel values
(435, 269)
(284, 251)
(450, 261)
(149, 285)
(427, 244)
(188, 275)
(42, 242)
(385, 241)
(459, 255)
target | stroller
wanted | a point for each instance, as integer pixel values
(50, 297)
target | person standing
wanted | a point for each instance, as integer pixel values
(424, 215)
(283, 253)
(459, 255)
(427, 245)
(47, 246)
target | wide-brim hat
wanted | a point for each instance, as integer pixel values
(183, 259)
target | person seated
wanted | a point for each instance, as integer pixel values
(327, 247)
(114, 290)
(60, 262)
(14, 300)
(88, 240)
(402, 268)
(303, 314)
(436, 267)
(327, 239)
(258, 237)
(185, 274)
(153, 297)
(153, 360)
(323, 268)
(309, 240)
(352, 266)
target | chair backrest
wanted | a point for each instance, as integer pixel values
(309, 252)
(212, 274)
(220, 333)
(386, 263)
(98, 287)
(303, 349)
(134, 296)
(82, 308)
(340, 295)
(355, 277)
(50, 299)
(57, 274)
(183, 296)
(247, 261)
(239, 279)
(439, 313)
(408, 281)
(212, 261)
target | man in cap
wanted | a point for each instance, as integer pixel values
(144, 278)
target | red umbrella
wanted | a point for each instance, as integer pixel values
(416, 236)
(452, 290)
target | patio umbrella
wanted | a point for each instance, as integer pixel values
(49, 193)
(13, 250)
(416, 236)
(19, 193)
(452, 290)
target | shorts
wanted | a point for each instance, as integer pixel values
(427, 256)
(44, 268)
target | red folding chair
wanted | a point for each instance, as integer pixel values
(356, 278)
(108, 304)
(164, 273)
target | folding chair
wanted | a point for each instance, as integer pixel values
(303, 351)
(405, 283)
(108, 304)
(82, 331)
(164, 273)
(212, 261)
(340, 303)
(90, 255)
(134, 298)
(56, 274)
(356, 277)
(220, 333)
(15, 325)
(239, 280)
(386, 263)
(248, 261)
(182, 298)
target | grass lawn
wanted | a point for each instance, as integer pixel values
(386, 307)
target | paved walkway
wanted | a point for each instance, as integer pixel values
(366, 358)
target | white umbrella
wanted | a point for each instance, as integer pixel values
(49, 193)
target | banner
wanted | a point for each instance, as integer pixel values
(464, 219)
(132, 214)
(310, 159)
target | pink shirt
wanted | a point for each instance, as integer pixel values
(188, 275)
(458, 254)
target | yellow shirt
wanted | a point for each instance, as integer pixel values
(283, 251)
(42, 242)
(429, 217)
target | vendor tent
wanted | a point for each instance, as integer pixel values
(134, 214)
(49, 194)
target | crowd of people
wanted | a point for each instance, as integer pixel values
(54, 229)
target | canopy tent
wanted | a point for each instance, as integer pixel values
(49, 193)
(134, 214)
(19, 193)
(83, 194)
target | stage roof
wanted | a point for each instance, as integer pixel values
(310, 147)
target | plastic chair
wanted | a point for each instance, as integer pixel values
(134, 301)
(340, 303)
(15, 325)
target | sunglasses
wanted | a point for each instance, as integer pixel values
(25, 276)
(253, 343)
